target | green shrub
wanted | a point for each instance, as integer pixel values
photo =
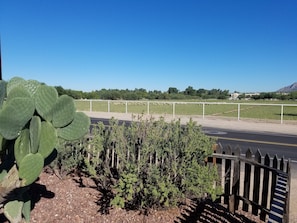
(152, 163)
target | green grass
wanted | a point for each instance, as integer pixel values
(264, 110)
(188, 109)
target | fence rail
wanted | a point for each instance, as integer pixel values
(260, 111)
(254, 183)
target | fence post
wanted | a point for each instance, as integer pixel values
(234, 200)
(287, 212)
(203, 110)
(91, 105)
(256, 186)
(282, 113)
(228, 176)
(247, 179)
(108, 106)
(238, 112)
(126, 107)
(173, 109)
(266, 195)
(148, 107)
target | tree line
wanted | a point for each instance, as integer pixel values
(140, 93)
(270, 96)
(171, 94)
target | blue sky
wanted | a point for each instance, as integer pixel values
(239, 45)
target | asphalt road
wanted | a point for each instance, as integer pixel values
(282, 145)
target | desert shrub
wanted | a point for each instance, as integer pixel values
(151, 163)
(69, 157)
(146, 164)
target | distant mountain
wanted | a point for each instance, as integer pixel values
(288, 89)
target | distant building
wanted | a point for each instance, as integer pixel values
(245, 96)
(234, 96)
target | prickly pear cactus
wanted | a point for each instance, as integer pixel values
(2, 92)
(32, 118)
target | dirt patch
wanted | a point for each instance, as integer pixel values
(75, 199)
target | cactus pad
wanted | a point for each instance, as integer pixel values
(63, 112)
(13, 211)
(22, 146)
(48, 139)
(15, 115)
(30, 168)
(14, 82)
(35, 130)
(19, 92)
(26, 207)
(77, 128)
(31, 86)
(45, 99)
(2, 91)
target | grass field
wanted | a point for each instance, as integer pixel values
(265, 110)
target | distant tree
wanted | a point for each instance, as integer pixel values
(72, 93)
(190, 91)
(201, 92)
(283, 97)
(172, 90)
(293, 95)
(60, 90)
(241, 96)
(92, 95)
(256, 97)
(224, 94)
(141, 93)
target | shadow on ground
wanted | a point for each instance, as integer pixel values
(36, 192)
(210, 212)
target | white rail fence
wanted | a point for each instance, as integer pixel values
(260, 111)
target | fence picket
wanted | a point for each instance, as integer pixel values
(288, 171)
(227, 176)
(247, 179)
(265, 191)
(256, 188)
(274, 175)
(236, 180)
(282, 164)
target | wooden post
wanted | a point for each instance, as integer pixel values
(231, 204)
(266, 196)
(236, 179)
(227, 177)
(287, 211)
(247, 180)
(214, 147)
(256, 188)
(274, 165)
